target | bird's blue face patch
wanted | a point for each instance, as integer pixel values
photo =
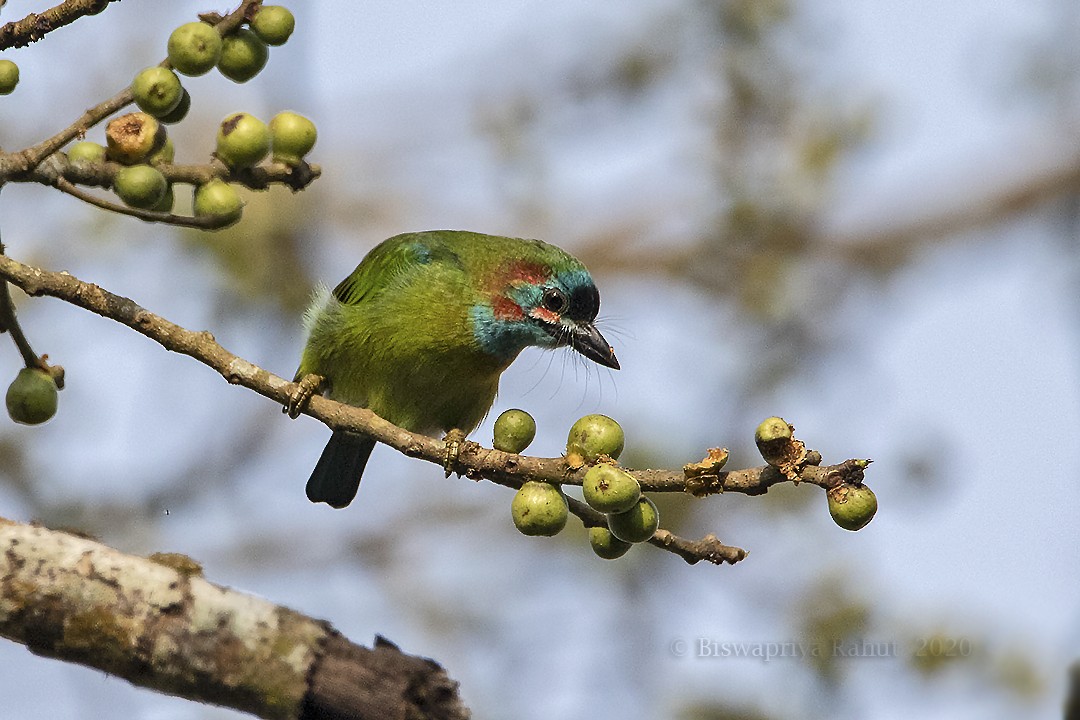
(505, 338)
(518, 319)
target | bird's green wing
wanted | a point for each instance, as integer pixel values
(390, 260)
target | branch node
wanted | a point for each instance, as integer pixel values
(704, 478)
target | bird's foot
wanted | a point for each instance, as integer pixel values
(453, 442)
(308, 386)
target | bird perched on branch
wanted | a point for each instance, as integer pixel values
(424, 326)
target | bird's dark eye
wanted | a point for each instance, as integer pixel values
(554, 300)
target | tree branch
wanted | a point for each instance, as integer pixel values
(158, 624)
(33, 27)
(474, 461)
(103, 174)
(63, 174)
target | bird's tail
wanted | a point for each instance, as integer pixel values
(336, 476)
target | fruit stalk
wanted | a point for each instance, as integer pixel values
(10, 323)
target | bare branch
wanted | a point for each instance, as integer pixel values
(692, 551)
(157, 623)
(35, 26)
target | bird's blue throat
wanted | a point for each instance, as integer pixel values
(504, 338)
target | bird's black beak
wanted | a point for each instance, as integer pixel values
(588, 341)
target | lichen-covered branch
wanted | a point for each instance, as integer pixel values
(157, 623)
(35, 26)
(474, 460)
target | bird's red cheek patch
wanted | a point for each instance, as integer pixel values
(545, 315)
(506, 309)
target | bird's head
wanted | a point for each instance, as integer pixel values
(547, 304)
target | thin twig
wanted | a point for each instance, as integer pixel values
(31, 157)
(708, 548)
(9, 322)
(204, 222)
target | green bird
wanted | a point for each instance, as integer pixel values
(424, 326)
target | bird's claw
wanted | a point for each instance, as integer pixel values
(453, 441)
(298, 400)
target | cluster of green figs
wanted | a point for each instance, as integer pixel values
(540, 508)
(140, 143)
